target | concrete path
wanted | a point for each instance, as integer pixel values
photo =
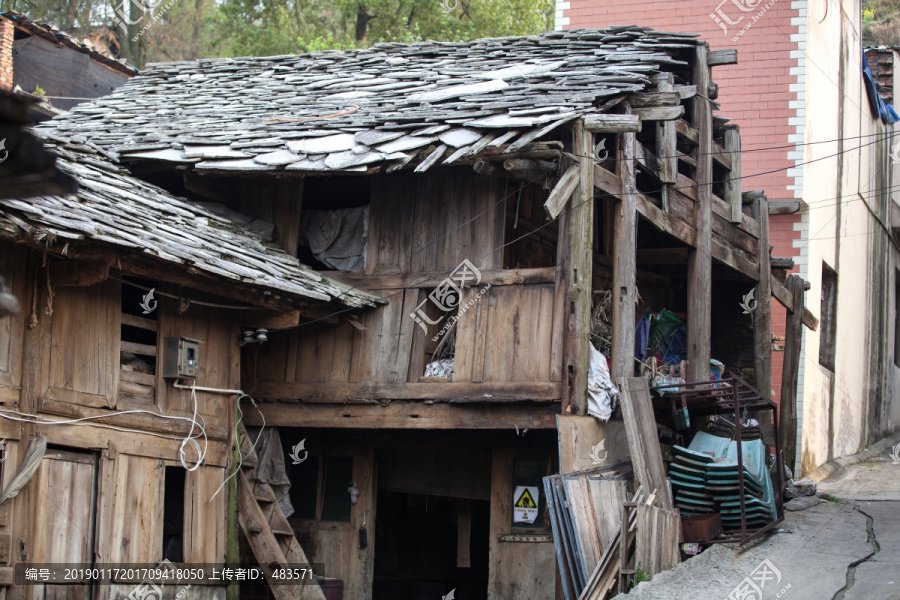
(847, 548)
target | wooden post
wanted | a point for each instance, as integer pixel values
(699, 258)
(581, 238)
(787, 434)
(232, 541)
(762, 315)
(666, 142)
(625, 263)
(733, 185)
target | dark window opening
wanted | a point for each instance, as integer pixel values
(319, 488)
(173, 514)
(524, 214)
(529, 472)
(827, 336)
(138, 335)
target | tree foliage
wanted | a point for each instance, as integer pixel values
(189, 29)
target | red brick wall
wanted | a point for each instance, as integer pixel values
(6, 53)
(755, 93)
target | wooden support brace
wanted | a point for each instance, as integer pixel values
(660, 113)
(625, 265)
(732, 145)
(762, 316)
(700, 257)
(581, 235)
(563, 190)
(790, 372)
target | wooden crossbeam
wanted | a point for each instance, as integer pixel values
(562, 191)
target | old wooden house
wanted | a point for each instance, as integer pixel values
(130, 451)
(492, 195)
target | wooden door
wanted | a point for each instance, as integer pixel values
(64, 517)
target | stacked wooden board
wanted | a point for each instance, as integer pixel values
(585, 510)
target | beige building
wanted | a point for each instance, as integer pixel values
(848, 366)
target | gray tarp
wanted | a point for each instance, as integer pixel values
(337, 238)
(271, 466)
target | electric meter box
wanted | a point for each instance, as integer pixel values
(181, 358)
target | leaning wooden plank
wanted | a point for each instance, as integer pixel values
(658, 534)
(640, 424)
(561, 193)
(780, 293)
(584, 523)
(612, 123)
(576, 568)
(586, 442)
(722, 57)
(762, 316)
(809, 319)
(793, 334)
(553, 511)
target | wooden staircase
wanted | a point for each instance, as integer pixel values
(268, 531)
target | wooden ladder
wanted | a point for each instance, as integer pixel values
(268, 531)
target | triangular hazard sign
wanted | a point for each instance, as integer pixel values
(525, 500)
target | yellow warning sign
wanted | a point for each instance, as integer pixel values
(526, 500)
(525, 504)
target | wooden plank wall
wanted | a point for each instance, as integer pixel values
(445, 218)
(13, 265)
(505, 336)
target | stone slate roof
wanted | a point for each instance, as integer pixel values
(112, 207)
(57, 36)
(391, 105)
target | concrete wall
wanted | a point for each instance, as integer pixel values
(846, 189)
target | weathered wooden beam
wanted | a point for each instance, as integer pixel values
(607, 181)
(790, 374)
(666, 143)
(78, 273)
(612, 123)
(430, 280)
(687, 131)
(406, 415)
(700, 257)
(762, 315)
(722, 57)
(809, 319)
(750, 196)
(271, 319)
(581, 236)
(624, 291)
(732, 145)
(780, 293)
(686, 92)
(660, 219)
(788, 207)
(562, 191)
(725, 254)
(781, 263)
(651, 99)
(660, 113)
(373, 393)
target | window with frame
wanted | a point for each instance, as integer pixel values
(319, 488)
(138, 341)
